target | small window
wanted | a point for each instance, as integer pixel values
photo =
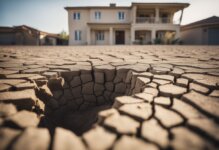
(100, 36)
(77, 35)
(97, 15)
(76, 16)
(121, 15)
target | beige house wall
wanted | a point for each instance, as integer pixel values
(127, 37)
(109, 16)
(88, 15)
(78, 25)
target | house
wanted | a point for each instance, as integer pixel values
(19, 35)
(25, 35)
(203, 32)
(140, 23)
(51, 39)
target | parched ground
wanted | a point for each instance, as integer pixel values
(109, 97)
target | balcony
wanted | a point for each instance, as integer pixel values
(145, 20)
(162, 20)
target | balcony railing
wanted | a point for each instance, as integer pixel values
(164, 20)
(145, 19)
(152, 20)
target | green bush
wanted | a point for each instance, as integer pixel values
(157, 41)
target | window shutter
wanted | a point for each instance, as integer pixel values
(79, 16)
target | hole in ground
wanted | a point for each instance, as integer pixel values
(73, 99)
(78, 121)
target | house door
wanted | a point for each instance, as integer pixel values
(120, 37)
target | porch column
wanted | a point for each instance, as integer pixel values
(171, 19)
(88, 36)
(111, 36)
(153, 35)
(134, 10)
(132, 36)
(157, 16)
(177, 33)
(180, 20)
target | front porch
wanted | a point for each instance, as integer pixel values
(108, 34)
(144, 37)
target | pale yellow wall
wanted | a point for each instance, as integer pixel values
(78, 25)
(88, 15)
(110, 15)
(127, 37)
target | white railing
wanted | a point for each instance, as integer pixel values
(152, 20)
(145, 19)
(164, 20)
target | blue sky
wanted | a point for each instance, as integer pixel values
(50, 15)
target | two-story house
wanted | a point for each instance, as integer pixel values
(139, 23)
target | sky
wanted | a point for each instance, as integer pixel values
(50, 15)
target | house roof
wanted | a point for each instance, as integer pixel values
(97, 7)
(162, 4)
(6, 29)
(183, 5)
(214, 20)
(25, 27)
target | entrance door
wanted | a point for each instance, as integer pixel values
(120, 37)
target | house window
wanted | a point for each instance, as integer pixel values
(77, 35)
(121, 15)
(76, 16)
(100, 35)
(97, 15)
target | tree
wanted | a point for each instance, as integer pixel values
(64, 35)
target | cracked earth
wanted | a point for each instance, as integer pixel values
(109, 98)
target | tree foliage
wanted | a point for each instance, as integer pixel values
(64, 35)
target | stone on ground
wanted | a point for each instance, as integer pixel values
(65, 140)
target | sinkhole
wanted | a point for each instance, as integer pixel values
(74, 98)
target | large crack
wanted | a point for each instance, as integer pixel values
(64, 108)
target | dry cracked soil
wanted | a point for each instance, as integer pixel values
(109, 98)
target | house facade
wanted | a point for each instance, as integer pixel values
(202, 32)
(140, 23)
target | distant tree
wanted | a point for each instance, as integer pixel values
(64, 35)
